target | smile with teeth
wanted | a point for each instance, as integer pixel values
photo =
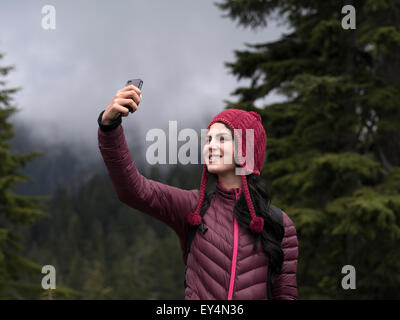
(214, 158)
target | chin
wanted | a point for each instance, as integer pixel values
(212, 169)
(217, 169)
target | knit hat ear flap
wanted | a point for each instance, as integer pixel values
(256, 223)
(194, 218)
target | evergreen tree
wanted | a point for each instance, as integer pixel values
(333, 159)
(15, 210)
(94, 287)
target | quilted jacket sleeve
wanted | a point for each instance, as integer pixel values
(163, 202)
(285, 284)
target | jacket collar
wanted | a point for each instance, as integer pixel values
(232, 194)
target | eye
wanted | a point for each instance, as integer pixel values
(222, 139)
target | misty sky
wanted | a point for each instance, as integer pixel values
(69, 75)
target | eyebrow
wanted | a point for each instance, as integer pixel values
(220, 134)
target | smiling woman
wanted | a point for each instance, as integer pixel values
(219, 236)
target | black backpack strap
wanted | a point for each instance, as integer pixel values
(277, 215)
(192, 233)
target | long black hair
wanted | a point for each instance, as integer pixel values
(272, 233)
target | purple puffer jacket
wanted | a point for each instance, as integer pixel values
(221, 264)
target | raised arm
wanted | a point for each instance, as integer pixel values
(163, 202)
(285, 284)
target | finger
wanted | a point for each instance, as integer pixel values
(121, 110)
(131, 94)
(128, 88)
(132, 87)
(116, 108)
(127, 101)
(124, 102)
(124, 89)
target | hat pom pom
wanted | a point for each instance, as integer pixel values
(257, 224)
(194, 219)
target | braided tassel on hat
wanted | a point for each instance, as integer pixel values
(257, 223)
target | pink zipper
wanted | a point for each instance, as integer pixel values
(235, 250)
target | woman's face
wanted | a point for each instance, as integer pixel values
(218, 149)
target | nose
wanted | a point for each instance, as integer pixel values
(210, 147)
(213, 145)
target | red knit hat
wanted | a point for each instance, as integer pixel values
(239, 119)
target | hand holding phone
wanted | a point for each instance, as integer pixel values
(122, 103)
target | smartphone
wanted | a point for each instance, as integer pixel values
(137, 83)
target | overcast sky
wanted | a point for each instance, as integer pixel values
(70, 74)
